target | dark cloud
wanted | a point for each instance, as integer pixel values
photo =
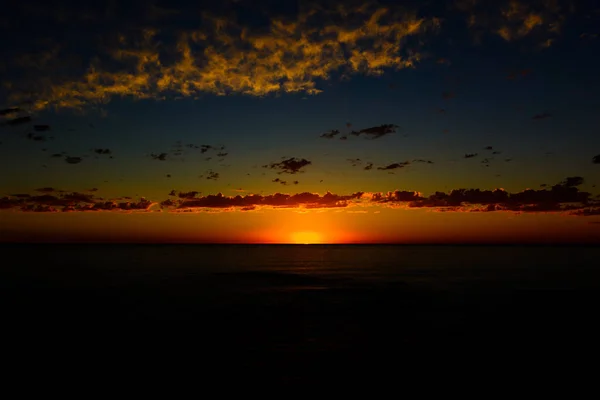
(56, 155)
(344, 137)
(41, 128)
(394, 166)
(102, 151)
(596, 159)
(73, 160)
(496, 152)
(159, 157)
(36, 138)
(470, 155)
(277, 180)
(172, 193)
(277, 200)
(331, 134)
(295, 182)
(289, 166)
(222, 154)
(168, 175)
(9, 111)
(205, 147)
(211, 175)
(187, 195)
(354, 161)
(542, 116)
(377, 131)
(572, 181)
(420, 160)
(488, 148)
(368, 167)
(18, 121)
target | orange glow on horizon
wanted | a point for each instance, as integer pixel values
(306, 237)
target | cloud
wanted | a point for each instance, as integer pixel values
(289, 166)
(420, 160)
(394, 166)
(9, 112)
(542, 116)
(211, 175)
(564, 197)
(41, 128)
(102, 151)
(368, 167)
(277, 180)
(73, 160)
(18, 121)
(277, 200)
(46, 190)
(470, 155)
(159, 157)
(331, 134)
(377, 131)
(512, 20)
(354, 161)
(144, 57)
(187, 195)
(596, 159)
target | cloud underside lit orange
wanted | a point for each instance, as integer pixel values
(225, 57)
(563, 197)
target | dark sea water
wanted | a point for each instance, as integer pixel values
(303, 313)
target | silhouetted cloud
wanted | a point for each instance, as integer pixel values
(354, 161)
(211, 175)
(277, 180)
(394, 166)
(331, 134)
(9, 111)
(377, 131)
(188, 195)
(159, 157)
(289, 166)
(420, 160)
(73, 160)
(488, 148)
(18, 121)
(41, 128)
(368, 167)
(102, 151)
(470, 155)
(542, 116)
(36, 138)
(596, 159)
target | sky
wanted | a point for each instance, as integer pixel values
(250, 121)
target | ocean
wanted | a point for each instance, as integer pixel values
(302, 313)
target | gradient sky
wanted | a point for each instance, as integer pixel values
(411, 122)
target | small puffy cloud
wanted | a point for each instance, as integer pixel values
(289, 166)
(73, 160)
(368, 167)
(280, 181)
(211, 175)
(377, 132)
(159, 157)
(394, 166)
(187, 195)
(331, 134)
(102, 151)
(470, 155)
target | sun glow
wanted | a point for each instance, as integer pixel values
(306, 237)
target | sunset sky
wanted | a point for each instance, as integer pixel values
(300, 122)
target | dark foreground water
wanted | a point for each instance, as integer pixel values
(302, 314)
